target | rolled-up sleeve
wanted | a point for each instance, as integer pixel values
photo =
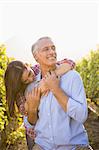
(77, 104)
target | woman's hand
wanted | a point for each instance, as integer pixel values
(43, 87)
(31, 133)
(33, 100)
(51, 81)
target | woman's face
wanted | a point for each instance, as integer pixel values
(28, 75)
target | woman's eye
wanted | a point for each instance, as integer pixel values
(25, 67)
(29, 74)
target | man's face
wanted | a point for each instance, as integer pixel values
(46, 55)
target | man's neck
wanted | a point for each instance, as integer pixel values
(44, 70)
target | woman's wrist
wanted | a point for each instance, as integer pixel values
(33, 110)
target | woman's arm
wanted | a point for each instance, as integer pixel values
(64, 66)
(23, 109)
(68, 61)
(20, 102)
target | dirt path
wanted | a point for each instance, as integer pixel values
(92, 127)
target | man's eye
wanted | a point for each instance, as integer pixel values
(53, 47)
(46, 49)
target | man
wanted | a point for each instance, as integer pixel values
(64, 110)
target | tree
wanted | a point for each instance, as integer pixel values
(88, 68)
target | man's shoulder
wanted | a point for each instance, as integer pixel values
(30, 87)
(72, 73)
(33, 84)
(71, 76)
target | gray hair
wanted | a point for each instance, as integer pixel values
(35, 45)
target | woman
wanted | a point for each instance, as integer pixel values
(17, 76)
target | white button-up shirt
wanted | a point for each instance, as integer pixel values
(55, 128)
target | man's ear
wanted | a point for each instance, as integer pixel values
(35, 57)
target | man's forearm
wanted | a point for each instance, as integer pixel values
(61, 97)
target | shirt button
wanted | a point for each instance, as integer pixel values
(51, 139)
(48, 114)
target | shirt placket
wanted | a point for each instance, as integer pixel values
(49, 115)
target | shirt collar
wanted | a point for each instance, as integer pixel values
(39, 76)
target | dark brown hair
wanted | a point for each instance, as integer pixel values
(13, 83)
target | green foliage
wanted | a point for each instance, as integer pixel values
(3, 60)
(89, 70)
(16, 135)
(15, 130)
(10, 130)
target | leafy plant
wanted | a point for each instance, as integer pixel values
(89, 70)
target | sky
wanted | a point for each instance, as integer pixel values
(73, 26)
